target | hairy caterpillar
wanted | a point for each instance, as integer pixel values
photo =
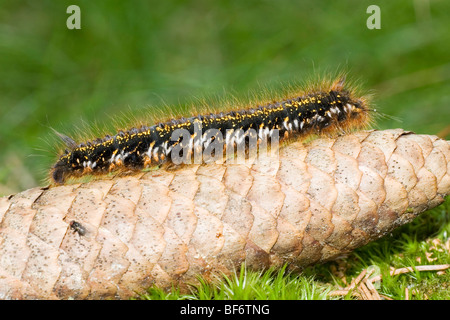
(325, 109)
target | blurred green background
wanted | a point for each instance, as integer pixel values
(135, 55)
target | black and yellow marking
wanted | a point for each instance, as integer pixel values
(324, 111)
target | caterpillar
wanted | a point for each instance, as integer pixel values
(325, 109)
